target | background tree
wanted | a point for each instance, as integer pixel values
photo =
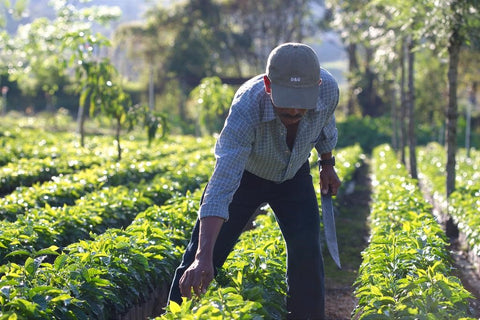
(142, 46)
(111, 99)
(453, 25)
(39, 66)
(152, 121)
(6, 45)
(210, 102)
(81, 48)
(469, 67)
(269, 23)
(45, 50)
(16, 10)
(178, 42)
(462, 26)
(93, 77)
(355, 23)
(426, 26)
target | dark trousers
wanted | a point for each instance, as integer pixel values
(295, 205)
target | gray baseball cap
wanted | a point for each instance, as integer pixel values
(294, 73)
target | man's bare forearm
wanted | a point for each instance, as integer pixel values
(326, 155)
(209, 230)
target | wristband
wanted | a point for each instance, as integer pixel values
(327, 162)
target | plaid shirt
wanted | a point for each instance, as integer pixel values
(254, 139)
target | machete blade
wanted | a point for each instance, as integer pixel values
(329, 226)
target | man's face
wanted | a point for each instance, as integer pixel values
(290, 116)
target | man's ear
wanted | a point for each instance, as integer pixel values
(266, 82)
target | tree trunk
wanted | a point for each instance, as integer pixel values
(403, 104)
(472, 106)
(394, 115)
(367, 97)
(117, 137)
(182, 113)
(81, 124)
(4, 99)
(411, 108)
(352, 69)
(455, 42)
(50, 106)
(151, 87)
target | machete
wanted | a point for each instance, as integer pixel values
(329, 227)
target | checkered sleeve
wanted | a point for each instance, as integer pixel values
(231, 151)
(329, 137)
(329, 93)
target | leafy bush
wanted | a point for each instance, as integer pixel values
(463, 204)
(406, 268)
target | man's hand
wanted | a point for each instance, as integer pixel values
(200, 273)
(197, 277)
(329, 180)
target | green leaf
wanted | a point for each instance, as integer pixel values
(45, 290)
(25, 305)
(19, 253)
(60, 262)
(174, 307)
(63, 297)
(376, 291)
(49, 250)
(29, 266)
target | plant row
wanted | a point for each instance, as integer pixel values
(258, 258)
(24, 143)
(20, 142)
(104, 277)
(70, 158)
(108, 207)
(406, 269)
(66, 189)
(36, 144)
(463, 205)
(25, 172)
(432, 164)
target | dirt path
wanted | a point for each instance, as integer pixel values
(352, 233)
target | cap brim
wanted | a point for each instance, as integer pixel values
(299, 98)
